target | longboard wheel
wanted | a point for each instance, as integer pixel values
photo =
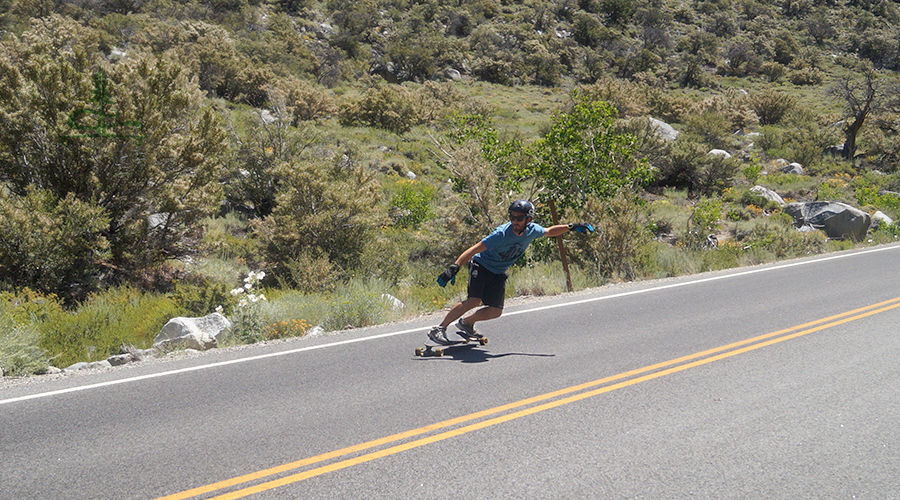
(419, 351)
(438, 352)
(482, 341)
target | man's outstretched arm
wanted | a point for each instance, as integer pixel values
(559, 229)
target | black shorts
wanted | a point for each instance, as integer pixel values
(487, 286)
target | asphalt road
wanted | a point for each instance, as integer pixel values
(775, 382)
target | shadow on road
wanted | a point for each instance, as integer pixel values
(469, 354)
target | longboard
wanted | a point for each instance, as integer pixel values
(438, 349)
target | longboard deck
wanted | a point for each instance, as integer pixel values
(438, 349)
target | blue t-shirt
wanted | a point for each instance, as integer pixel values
(504, 247)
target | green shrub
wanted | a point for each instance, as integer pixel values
(771, 105)
(707, 214)
(749, 198)
(228, 237)
(386, 106)
(309, 273)
(358, 303)
(751, 172)
(442, 101)
(835, 189)
(884, 233)
(304, 101)
(777, 236)
(20, 353)
(690, 166)
(324, 210)
(709, 127)
(160, 155)
(26, 305)
(544, 279)
(412, 202)
(617, 249)
(200, 297)
(384, 258)
(104, 323)
(50, 245)
(869, 195)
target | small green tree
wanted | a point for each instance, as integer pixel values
(412, 202)
(583, 156)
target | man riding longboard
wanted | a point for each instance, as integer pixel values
(488, 261)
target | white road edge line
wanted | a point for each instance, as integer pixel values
(403, 332)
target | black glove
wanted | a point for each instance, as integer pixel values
(448, 276)
(581, 227)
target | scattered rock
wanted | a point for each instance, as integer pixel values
(879, 217)
(768, 194)
(664, 130)
(77, 366)
(120, 359)
(793, 168)
(720, 152)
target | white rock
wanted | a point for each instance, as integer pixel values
(664, 130)
(76, 367)
(880, 216)
(192, 333)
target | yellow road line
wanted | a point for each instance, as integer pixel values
(652, 372)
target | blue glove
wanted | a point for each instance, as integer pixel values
(448, 276)
(581, 227)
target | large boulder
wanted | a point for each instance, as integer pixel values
(192, 333)
(837, 220)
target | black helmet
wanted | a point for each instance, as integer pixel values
(523, 207)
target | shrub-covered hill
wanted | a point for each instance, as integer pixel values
(152, 153)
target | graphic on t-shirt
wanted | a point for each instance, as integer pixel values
(512, 253)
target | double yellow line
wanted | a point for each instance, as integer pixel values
(506, 413)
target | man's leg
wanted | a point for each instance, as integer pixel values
(459, 309)
(483, 314)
